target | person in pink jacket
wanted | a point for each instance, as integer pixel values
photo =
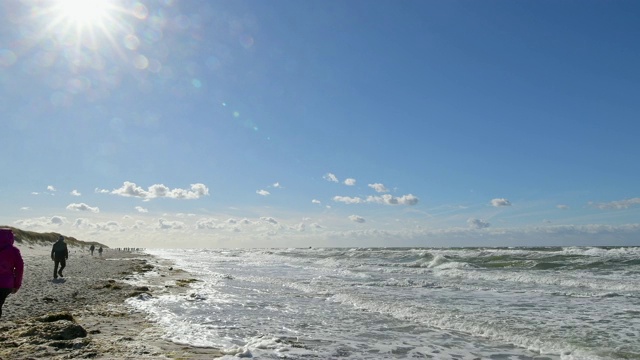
(11, 266)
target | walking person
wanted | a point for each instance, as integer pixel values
(11, 266)
(100, 250)
(92, 248)
(59, 255)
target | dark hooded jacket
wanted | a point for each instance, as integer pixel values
(11, 264)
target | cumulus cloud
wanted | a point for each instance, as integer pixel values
(277, 185)
(563, 207)
(82, 207)
(350, 182)
(101, 191)
(330, 177)
(617, 205)
(130, 189)
(263, 192)
(41, 222)
(314, 201)
(356, 218)
(164, 224)
(348, 200)
(58, 220)
(51, 188)
(25, 208)
(140, 209)
(388, 199)
(269, 220)
(379, 188)
(209, 223)
(500, 202)
(477, 223)
(75, 193)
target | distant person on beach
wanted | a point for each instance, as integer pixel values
(100, 250)
(92, 248)
(59, 255)
(11, 266)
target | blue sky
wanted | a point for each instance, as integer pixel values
(322, 123)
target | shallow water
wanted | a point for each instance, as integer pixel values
(375, 303)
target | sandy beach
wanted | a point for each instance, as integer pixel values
(83, 315)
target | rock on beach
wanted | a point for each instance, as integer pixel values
(83, 314)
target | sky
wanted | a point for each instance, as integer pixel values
(285, 123)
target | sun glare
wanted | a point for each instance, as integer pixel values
(84, 12)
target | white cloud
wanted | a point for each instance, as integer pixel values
(51, 188)
(82, 207)
(314, 201)
(101, 191)
(58, 220)
(387, 199)
(380, 188)
(409, 199)
(269, 220)
(301, 227)
(348, 200)
(164, 224)
(25, 208)
(263, 192)
(130, 189)
(35, 193)
(331, 177)
(209, 223)
(617, 205)
(140, 209)
(350, 182)
(563, 207)
(277, 185)
(356, 218)
(75, 192)
(500, 202)
(477, 223)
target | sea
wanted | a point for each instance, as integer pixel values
(405, 303)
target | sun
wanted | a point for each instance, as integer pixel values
(83, 12)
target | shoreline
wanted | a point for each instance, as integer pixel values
(84, 314)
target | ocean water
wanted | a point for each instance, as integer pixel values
(401, 303)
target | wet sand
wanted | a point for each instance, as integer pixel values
(83, 315)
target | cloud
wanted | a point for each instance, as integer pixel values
(42, 222)
(356, 218)
(277, 185)
(130, 189)
(350, 182)
(82, 207)
(208, 223)
(387, 199)
(25, 208)
(478, 224)
(563, 207)
(330, 177)
(269, 220)
(616, 205)
(500, 202)
(263, 192)
(75, 192)
(348, 200)
(51, 188)
(314, 201)
(380, 188)
(140, 209)
(164, 224)
(101, 191)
